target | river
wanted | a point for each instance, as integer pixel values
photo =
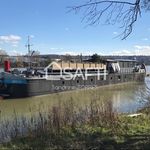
(126, 98)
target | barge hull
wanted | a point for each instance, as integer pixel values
(35, 87)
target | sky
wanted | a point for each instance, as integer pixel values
(55, 31)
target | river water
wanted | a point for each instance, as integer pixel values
(126, 98)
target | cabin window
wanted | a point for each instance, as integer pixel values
(119, 77)
(128, 65)
(123, 65)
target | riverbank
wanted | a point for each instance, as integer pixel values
(68, 126)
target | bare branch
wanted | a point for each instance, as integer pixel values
(100, 2)
(112, 11)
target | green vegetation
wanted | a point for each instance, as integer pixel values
(97, 58)
(69, 126)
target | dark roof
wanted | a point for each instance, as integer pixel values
(126, 60)
(111, 60)
(120, 60)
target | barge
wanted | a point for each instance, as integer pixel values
(64, 76)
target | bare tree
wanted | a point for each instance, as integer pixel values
(3, 55)
(125, 13)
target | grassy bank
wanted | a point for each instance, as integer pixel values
(70, 126)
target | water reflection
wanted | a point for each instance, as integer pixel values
(132, 98)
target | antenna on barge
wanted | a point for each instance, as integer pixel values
(29, 51)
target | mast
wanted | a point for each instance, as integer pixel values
(29, 51)
(28, 45)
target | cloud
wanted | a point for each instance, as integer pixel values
(15, 53)
(54, 48)
(142, 50)
(2, 52)
(32, 36)
(121, 52)
(142, 47)
(11, 39)
(115, 33)
(15, 45)
(63, 51)
(67, 29)
(137, 50)
(145, 39)
(77, 52)
(138, 46)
